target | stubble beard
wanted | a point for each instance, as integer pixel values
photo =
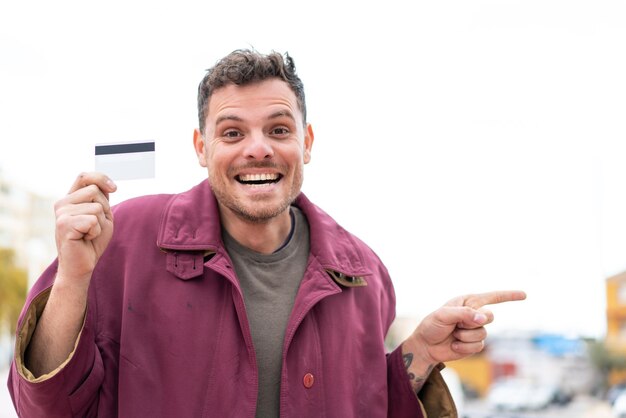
(262, 213)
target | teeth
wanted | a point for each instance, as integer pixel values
(258, 177)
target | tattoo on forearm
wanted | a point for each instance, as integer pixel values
(416, 381)
(408, 359)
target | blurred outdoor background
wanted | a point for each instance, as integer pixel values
(475, 145)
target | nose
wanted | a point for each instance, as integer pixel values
(258, 147)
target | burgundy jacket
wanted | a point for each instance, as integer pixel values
(166, 332)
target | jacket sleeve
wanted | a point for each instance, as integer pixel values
(433, 401)
(72, 389)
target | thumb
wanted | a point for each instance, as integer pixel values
(476, 319)
(461, 315)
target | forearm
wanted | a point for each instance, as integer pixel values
(417, 367)
(57, 329)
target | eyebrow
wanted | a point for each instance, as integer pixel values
(275, 115)
(282, 113)
(228, 117)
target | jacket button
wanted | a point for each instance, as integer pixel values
(308, 380)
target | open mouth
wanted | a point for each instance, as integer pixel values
(258, 179)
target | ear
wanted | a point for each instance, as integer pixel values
(198, 144)
(308, 143)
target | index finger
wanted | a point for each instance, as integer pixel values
(479, 300)
(103, 182)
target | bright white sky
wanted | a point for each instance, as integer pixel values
(475, 145)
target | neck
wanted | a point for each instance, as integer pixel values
(262, 237)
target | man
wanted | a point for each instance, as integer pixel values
(236, 298)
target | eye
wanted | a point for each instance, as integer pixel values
(231, 134)
(280, 131)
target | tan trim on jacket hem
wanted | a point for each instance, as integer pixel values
(25, 333)
(435, 398)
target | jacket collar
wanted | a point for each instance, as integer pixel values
(191, 222)
(335, 248)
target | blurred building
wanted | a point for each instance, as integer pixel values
(615, 340)
(616, 312)
(546, 359)
(27, 226)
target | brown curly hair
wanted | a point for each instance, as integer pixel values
(244, 66)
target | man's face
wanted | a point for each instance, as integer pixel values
(254, 147)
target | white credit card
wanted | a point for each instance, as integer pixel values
(126, 160)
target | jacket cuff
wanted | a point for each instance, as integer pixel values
(25, 333)
(434, 399)
(402, 399)
(69, 390)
